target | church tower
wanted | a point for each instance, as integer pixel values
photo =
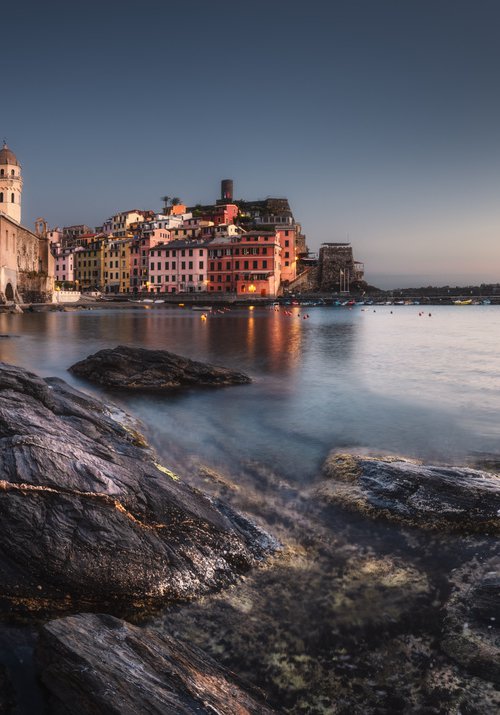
(11, 184)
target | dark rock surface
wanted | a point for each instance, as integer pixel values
(89, 516)
(141, 369)
(472, 621)
(434, 497)
(99, 664)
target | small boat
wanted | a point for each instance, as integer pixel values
(147, 300)
(486, 301)
(159, 301)
(204, 308)
(468, 301)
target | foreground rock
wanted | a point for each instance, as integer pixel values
(447, 498)
(141, 369)
(88, 515)
(472, 622)
(99, 664)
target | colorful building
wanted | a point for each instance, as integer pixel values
(88, 266)
(178, 267)
(117, 265)
(245, 264)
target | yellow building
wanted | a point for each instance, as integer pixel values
(117, 265)
(89, 266)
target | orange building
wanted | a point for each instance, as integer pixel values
(248, 264)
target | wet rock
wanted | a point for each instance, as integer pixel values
(88, 515)
(141, 369)
(472, 620)
(99, 664)
(433, 497)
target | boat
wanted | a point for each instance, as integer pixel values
(159, 301)
(204, 308)
(486, 301)
(468, 301)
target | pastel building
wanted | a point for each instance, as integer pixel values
(119, 225)
(140, 247)
(64, 265)
(287, 239)
(88, 266)
(26, 263)
(117, 265)
(178, 267)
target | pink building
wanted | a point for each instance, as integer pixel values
(139, 258)
(64, 270)
(178, 267)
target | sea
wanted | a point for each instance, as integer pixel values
(418, 381)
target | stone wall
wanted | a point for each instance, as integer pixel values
(333, 259)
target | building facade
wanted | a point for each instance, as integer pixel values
(26, 264)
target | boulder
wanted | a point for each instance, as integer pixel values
(141, 369)
(89, 515)
(99, 664)
(432, 497)
(472, 619)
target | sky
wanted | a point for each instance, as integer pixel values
(379, 120)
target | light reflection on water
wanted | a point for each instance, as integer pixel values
(384, 378)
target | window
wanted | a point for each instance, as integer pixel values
(264, 264)
(287, 243)
(200, 265)
(183, 265)
(152, 266)
(1, 194)
(228, 266)
(190, 265)
(158, 266)
(166, 265)
(254, 264)
(245, 265)
(12, 198)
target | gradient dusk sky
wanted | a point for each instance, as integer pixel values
(378, 119)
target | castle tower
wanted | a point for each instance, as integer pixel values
(11, 184)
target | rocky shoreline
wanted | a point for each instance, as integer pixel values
(376, 589)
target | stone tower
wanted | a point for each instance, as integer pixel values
(11, 184)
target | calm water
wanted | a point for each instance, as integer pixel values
(383, 378)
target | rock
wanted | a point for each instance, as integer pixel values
(141, 369)
(432, 497)
(472, 620)
(88, 515)
(99, 664)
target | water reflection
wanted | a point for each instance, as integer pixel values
(339, 378)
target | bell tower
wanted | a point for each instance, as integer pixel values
(11, 184)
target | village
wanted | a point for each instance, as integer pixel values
(231, 248)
